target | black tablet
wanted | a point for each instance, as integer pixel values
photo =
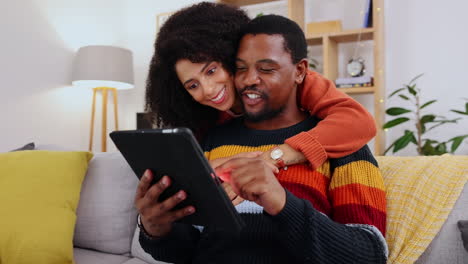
(176, 153)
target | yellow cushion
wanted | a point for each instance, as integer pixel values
(39, 193)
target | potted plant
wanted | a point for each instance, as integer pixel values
(423, 122)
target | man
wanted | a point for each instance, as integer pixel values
(335, 214)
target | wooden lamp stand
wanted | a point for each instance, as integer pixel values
(104, 91)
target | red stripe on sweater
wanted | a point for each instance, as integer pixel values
(302, 174)
(360, 214)
(315, 197)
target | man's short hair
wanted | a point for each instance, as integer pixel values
(294, 39)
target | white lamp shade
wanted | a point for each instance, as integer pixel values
(103, 66)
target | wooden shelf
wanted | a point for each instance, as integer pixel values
(295, 8)
(358, 90)
(245, 2)
(330, 52)
(342, 37)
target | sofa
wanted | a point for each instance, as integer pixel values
(106, 230)
(110, 170)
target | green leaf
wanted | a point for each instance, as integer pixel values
(404, 97)
(412, 90)
(415, 78)
(441, 148)
(403, 141)
(456, 141)
(389, 148)
(427, 149)
(394, 111)
(459, 112)
(441, 122)
(395, 92)
(395, 122)
(427, 119)
(428, 103)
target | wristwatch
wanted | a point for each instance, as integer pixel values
(276, 154)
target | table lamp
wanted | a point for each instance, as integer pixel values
(105, 69)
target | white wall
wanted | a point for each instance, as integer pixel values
(430, 40)
(38, 41)
(39, 38)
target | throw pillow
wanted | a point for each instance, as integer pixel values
(107, 216)
(463, 226)
(39, 193)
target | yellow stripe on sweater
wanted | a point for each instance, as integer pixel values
(230, 150)
(357, 172)
(325, 169)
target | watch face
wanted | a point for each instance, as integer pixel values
(276, 154)
(355, 68)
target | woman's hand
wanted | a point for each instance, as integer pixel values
(290, 156)
(157, 217)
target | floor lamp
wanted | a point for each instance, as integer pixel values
(105, 69)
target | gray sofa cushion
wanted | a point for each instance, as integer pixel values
(135, 261)
(106, 214)
(84, 256)
(138, 252)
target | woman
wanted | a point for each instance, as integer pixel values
(191, 84)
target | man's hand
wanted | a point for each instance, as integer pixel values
(225, 174)
(253, 180)
(234, 197)
(157, 217)
(216, 162)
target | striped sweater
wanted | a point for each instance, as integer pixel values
(335, 214)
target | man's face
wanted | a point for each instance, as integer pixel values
(265, 77)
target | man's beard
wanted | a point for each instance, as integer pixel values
(265, 114)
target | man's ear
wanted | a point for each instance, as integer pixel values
(301, 70)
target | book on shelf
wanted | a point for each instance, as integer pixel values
(354, 80)
(368, 14)
(353, 85)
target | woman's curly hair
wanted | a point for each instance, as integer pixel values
(200, 33)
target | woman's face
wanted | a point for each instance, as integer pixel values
(208, 83)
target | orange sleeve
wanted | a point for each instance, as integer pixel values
(346, 125)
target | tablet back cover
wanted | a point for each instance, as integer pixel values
(175, 153)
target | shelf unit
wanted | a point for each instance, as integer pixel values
(329, 43)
